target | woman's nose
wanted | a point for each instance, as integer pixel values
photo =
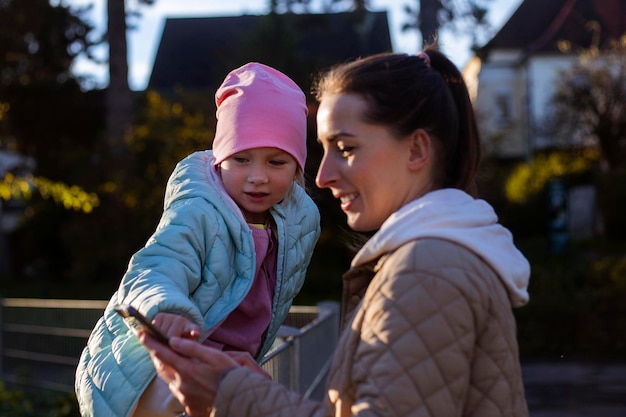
(325, 175)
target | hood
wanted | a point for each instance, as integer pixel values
(195, 176)
(453, 215)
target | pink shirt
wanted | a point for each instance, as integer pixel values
(245, 326)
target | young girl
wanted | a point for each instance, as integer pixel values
(229, 254)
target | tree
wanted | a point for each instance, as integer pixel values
(589, 104)
(45, 117)
(589, 109)
(119, 98)
(163, 133)
(529, 179)
(38, 43)
(459, 15)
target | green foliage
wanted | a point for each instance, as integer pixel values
(15, 403)
(525, 219)
(45, 116)
(70, 197)
(529, 179)
(38, 41)
(611, 203)
(165, 131)
(576, 304)
(59, 253)
(589, 104)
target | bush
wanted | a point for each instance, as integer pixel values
(14, 403)
(611, 203)
(576, 304)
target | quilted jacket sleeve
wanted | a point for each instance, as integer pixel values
(245, 393)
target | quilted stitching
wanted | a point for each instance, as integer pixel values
(447, 334)
(425, 341)
(210, 283)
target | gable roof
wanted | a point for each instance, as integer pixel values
(539, 25)
(196, 53)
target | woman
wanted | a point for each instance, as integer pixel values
(428, 328)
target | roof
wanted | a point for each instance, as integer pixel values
(197, 53)
(538, 25)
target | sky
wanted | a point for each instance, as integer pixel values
(143, 41)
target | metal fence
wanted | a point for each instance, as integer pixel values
(41, 341)
(301, 360)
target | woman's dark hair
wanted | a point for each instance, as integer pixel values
(409, 92)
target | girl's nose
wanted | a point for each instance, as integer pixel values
(257, 177)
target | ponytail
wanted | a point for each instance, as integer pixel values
(463, 157)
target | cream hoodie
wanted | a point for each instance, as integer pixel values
(453, 215)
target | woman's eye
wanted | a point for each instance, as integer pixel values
(345, 151)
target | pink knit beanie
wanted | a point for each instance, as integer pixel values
(258, 106)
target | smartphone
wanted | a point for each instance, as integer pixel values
(138, 321)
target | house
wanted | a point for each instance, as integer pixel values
(513, 76)
(195, 54)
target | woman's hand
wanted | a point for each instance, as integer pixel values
(191, 370)
(245, 359)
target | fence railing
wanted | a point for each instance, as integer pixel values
(41, 342)
(301, 360)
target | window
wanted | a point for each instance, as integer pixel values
(503, 109)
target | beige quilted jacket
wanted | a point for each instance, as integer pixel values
(428, 331)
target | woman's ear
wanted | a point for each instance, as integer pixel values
(420, 147)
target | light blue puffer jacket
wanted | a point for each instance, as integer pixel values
(200, 263)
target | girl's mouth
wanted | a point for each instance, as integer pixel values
(257, 196)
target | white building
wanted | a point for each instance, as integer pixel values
(513, 76)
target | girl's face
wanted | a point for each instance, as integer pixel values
(372, 172)
(257, 179)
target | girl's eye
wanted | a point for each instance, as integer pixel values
(240, 159)
(277, 162)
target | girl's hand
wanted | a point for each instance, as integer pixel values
(175, 325)
(191, 370)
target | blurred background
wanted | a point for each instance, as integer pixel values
(100, 99)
